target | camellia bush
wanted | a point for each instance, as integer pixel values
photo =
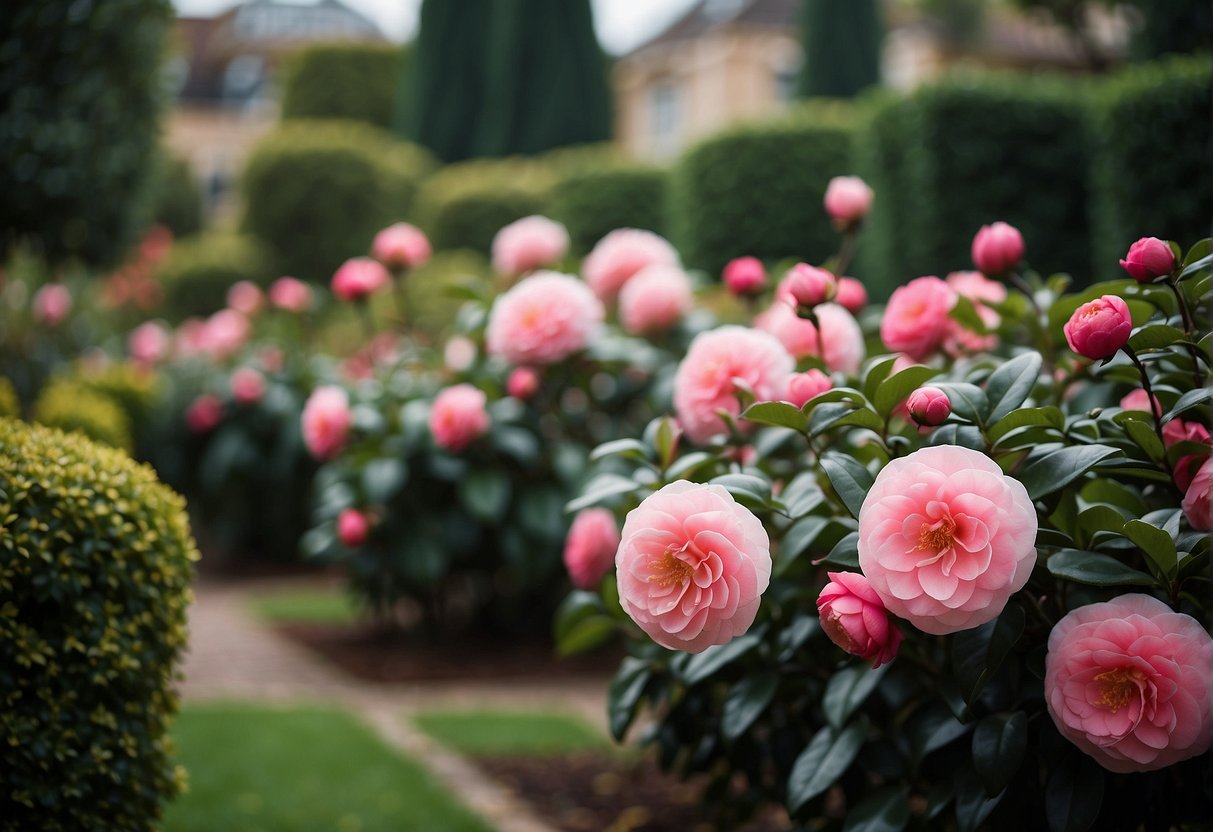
(959, 584)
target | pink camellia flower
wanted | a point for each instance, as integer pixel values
(1128, 682)
(1099, 328)
(977, 288)
(589, 549)
(716, 363)
(248, 385)
(1147, 259)
(459, 354)
(527, 244)
(52, 303)
(291, 294)
(802, 387)
(929, 406)
(745, 276)
(807, 286)
(149, 343)
(245, 297)
(946, 538)
(620, 255)
(204, 413)
(692, 566)
(1140, 400)
(852, 296)
(545, 318)
(326, 421)
(1198, 498)
(840, 334)
(225, 333)
(190, 337)
(400, 246)
(358, 278)
(1176, 431)
(523, 383)
(997, 249)
(916, 319)
(353, 528)
(848, 200)
(458, 417)
(655, 299)
(981, 292)
(855, 619)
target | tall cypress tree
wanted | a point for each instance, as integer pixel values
(841, 47)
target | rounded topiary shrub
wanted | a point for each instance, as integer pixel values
(10, 405)
(344, 80)
(592, 203)
(465, 205)
(176, 196)
(200, 269)
(95, 560)
(71, 406)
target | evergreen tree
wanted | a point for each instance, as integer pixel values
(841, 47)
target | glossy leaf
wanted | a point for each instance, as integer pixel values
(1095, 569)
(1026, 417)
(1010, 385)
(623, 696)
(845, 552)
(848, 689)
(973, 806)
(1074, 794)
(884, 810)
(823, 761)
(894, 390)
(968, 400)
(999, 744)
(600, 489)
(746, 702)
(977, 654)
(1158, 546)
(777, 414)
(1053, 470)
(1155, 337)
(621, 447)
(932, 729)
(851, 481)
(702, 665)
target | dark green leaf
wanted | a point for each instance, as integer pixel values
(747, 488)
(518, 443)
(1053, 470)
(1011, 384)
(894, 390)
(485, 492)
(382, 478)
(972, 805)
(1157, 544)
(1095, 569)
(1155, 337)
(827, 756)
(932, 729)
(851, 481)
(802, 494)
(1143, 435)
(1074, 794)
(702, 665)
(977, 654)
(745, 702)
(999, 744)
(968, 400)
(666, 440)
(848, 689)
(777, 414)
(1026, 417)
(1193, 398)
(624, 694)
(684, 465)
(964, 312)
(599, 489)
(878, 371)
(621, 447)
(797, 539)
(845, 552)
(884, 810)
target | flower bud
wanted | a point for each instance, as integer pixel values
(997, 249)
(204, 413)
(523, 383)
(1147, 259)
(848, 200)
(810, 286)
(248, 386)
(852, 296)
(855, 618)
(291, 294)
(804, 386)
(745, 276)
(929, 406)
(353, 528)
(401, 246)
(359, 277)
(589, 549)
(1099, 328)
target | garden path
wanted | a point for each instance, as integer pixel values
(235, 656)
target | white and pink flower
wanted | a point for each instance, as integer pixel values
(326, 421)
(401, 246)
(916, 320)
(545, 318)
(655, 299)
(458, 417)
(528, 244)
(841, 336)
(589, 549)
(620, 255)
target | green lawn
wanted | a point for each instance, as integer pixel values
(490, 733)
(256, 769)
(328, 605)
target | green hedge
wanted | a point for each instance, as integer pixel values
(757, 190)
(176, 196)
(96, 560)
(1153, 171)
(200, 269)
(317, 191)
(593, 202)
(71, 406)
(356, 81)
(880, 158)
(10, 404)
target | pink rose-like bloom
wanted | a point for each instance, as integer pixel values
(245, 297)
(946, 538)
(545, 318)
(655, 299)
(458, 417)
(929, 406)
(589, 550)
(706, 380)
(802, 387)
(190, 337)
(807, 286)
(527, 244)
(52, 303)
(204, 413)
(149, 342)
(248, 385)
(401, 246)
(852, 296)
(353, 528)
(692, 566)
(459, 354)
(840, 334)
(978, 288)
(1198, 498)
(855, 619)
(1127, 681)
(997, 248)
(916, 320)
(326, 421)
(620, 255)
(358, 278)
(848, 200)
(1147, 259)
(1176, 431)
(523, 383)
(1099, 328)
(745, 276)
(225, 333)
(1140, 400)
(291, 294)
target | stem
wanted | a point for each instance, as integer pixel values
(847, 251)
(1156, 418)
(1019, 283)
(1186, 314)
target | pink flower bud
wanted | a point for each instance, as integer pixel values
(353, 528)
(204, 413)
(997, 248)
(326, 422)
(149, 342)
(804, 386)
(1099, 328)
(248, 386)
(810, 286)
(458, 417)
(589, 549)
(745, 276)
(929, 406)
(291, 294)
(52, 303)
(401, 246)
(848, 200)
(523, 383)
(855, 618)
(852, 296)
(359, 277)
(1147, 259)
(245, 297)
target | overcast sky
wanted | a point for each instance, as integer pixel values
(621, 24)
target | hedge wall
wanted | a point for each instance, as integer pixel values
(757, 190)
(355, 81)
(176, 196)
(883, 259)
(593, 202)
(201, 268)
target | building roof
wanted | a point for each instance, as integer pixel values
(707, 15)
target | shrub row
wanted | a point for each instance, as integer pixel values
(356, 81)
(201, 268)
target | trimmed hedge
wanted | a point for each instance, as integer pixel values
(1153, 172)
(316, 192)
(71, 406)
(176, 196)
(593, 202)
(356, 81)
(880, 158)
(200, 269)
(757, 190)
(464, 205)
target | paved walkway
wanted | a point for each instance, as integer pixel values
(234, 656)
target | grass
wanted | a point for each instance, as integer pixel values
(313, 604)
(514, 733)
(256, 769)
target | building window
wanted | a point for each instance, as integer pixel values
(665, 116)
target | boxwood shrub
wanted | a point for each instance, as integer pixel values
(757, 190)
(357, 81)
(95, 560)
(883, 259)
(593, 202)
(71, 406)
(200, 269)
(10, 405)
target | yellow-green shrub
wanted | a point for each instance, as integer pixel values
(10, 405)
(95, 563)
(70, 406)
